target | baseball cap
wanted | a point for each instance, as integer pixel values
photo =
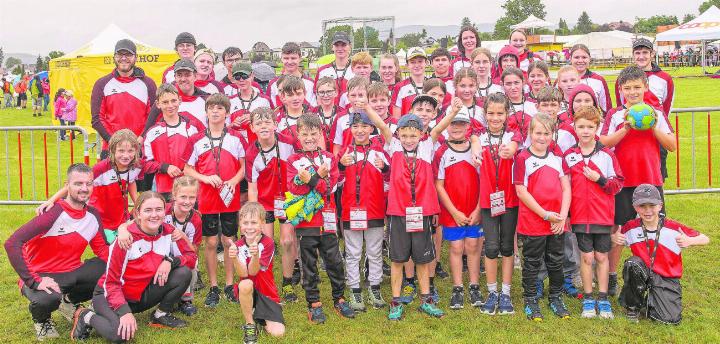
(410, 120)
(642, 42)
(241, 67)
(340, 36)
(185, 37)
(416, 52)
(360, 117)
(462, 116)
(424, 98)
(646, 194)
(184, 64)
(125, 44)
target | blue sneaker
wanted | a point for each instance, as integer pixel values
(558, 308)
(491, 304)
(505, 306)
(539, 288)
(408, 294)
(605, 309)
(570, 290)
(434, 295)
(588, 309)
(396, 311)
(532, 310)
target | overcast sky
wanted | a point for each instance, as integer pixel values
(34, 26)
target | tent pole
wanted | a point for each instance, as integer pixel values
(702, 51)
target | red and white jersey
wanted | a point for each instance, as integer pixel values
(231, 89)
(217, 156)
(593, 203)
(119, 102)
(477, 117)
(404, 89)
(168, 76)
(130, 272)
(341, 134)
(459, 63)
(263, 281)
(462, 181)
(192, 227)
(639, 151)
(660, 84)
(329, 123)
(324, 186)
(54, 242)
(525, 58)
(287, 125)
(401, 166)
(600, 87)
(210, 86)
(341, 76)
(520, 122)
(565, 137)
(239, 107)
(504, 182)
(274, 93)
(541, 175)
(668, 258)
(110, 192)
(371, 193)
(163, 146)
(194, 106)
(265, 169)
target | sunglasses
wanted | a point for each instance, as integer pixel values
(241, 76)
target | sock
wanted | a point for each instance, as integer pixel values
(410, 280)
(159, 313)
(613, 274)
(396, 299)
(286, 281)
(88, 316)
(602, 296)
(356, 290)
(375, 287)
(425, 297)
(506, 289)
(588, 296)
(492, 287)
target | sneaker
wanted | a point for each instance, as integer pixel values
(250, 334)
(588, 309)
(605, 309)
(396, 311)
(168, 320)
(558, 308)
(532, 310)
(296, 275)
(344, 310)
(375, 298)
(230, 294)
(187, 308)
(45, 330)
(457, 299)
(633, 315)
(288, 294)
(539, 288)
(357, 303)
(439, 272)
(612, 285)
(408, 293)
(491, 304)
(67, 309)
(199, 284)
(505, 306)
(476, 298)
(80, 329)
(569, 288)
(430, 308)
(434, 295)
(316, 314)
(213, 297)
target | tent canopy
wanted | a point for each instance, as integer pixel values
(704, 27)
(533, 22)
(609, 44)
(79, 69)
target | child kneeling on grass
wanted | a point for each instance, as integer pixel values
(252, 258)
(652, 274)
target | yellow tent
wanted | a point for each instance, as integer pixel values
(79, 69)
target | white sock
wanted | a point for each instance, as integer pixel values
(492, 287)
(159, 313)
(506, 289)
(88, 316)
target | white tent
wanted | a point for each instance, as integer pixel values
(532, 22)
(605, 45)
(703, 28)
(494, 46)
(401, 55)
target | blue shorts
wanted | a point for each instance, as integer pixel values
(464, 232)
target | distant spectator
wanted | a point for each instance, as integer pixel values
(46, 93)
(36, 90)
(7, 89)
(21, 89)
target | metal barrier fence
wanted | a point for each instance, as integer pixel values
(694, 147)
(61, 161)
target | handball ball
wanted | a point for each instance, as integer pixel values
(641, 116)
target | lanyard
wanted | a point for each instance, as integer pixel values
(472, 110)
(417, 90)
(327, 124)
(287, 122)
(412, 171)
(123, 189)
(338, 76)
(486, 89)
(359, 170)
(184, 224)
(522, 119)
(216, 155)
(277, 157)
(253, 96)
(653, 253)
(322, 161)
(495, 155)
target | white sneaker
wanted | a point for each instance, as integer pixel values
(46, 330)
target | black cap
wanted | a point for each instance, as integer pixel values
(184, 65)
(646, 194)
(185, 37)
(125, 44)
(424, 98)
(642, 43)
(360, 117)
(340, 36)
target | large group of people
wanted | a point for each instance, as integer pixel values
(510, 168)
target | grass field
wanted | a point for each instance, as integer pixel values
(700, 280)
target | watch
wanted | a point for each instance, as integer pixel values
(168, 259)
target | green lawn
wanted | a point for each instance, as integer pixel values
(223, 324)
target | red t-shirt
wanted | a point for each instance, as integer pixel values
(668, 260)
(269, 173)
(371, 195)
(461, 181)
(400, 196)
(164, 145)
(488, 183)
(263, 281)
(239, 107)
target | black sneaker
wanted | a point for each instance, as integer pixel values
(213, 297)
(187, 308)
(439, 272)
(532, 310)
(457, 299)
(199, 284)
(633, 315)
(343, 309)
(168, 321)
(316, 314)
(296, 273)
(230, 294)
(558, 308)
(612, 285)
(80, 329)
(250, 334)
(476, 298)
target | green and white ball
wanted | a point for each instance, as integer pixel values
(641, 116)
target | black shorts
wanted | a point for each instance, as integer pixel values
(266, 309)
(624, 210)
(225, 223)
(588, 242)
(270, 217)
(404, 245)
